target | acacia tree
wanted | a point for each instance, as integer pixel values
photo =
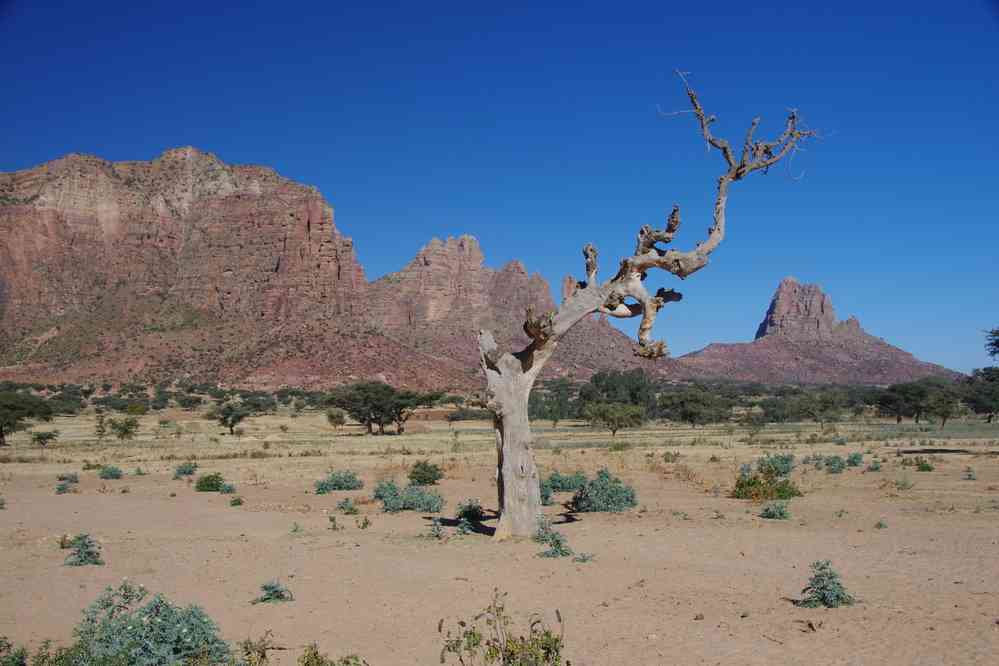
(510, 375)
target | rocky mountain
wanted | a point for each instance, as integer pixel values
(187, 266)
(801, 341)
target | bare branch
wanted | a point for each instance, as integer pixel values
(705, 122)
(590, 256)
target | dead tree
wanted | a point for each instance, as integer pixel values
(511, 375)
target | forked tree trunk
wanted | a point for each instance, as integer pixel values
(510, 376)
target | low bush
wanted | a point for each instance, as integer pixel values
(273, 592)
(117, 631)
(470, 510)
(412, 498)
(185, 469)
(834, 464)
(85, 551)
(566, 483)
(227, 489)
(759, 488)
(109, 472)
(824, 588)
(69, 477)
(62, 488)
(855, 459)
(545, 488)
(347, 507)
(604, 493)
(775, 466)
(425, 473)
(338, 480)
(775, 511)
(386, 489)
(236, 501)
(209, 483)
(498, 642)
(874, 466)
(313, 657)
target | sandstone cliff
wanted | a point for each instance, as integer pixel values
(187, 266)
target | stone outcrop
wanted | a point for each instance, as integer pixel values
(186, 266)
(801, 341)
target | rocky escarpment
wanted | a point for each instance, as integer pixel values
(184, 266)
(801, 341)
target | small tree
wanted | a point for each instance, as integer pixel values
(614, 415)
(336, 417)
(510, 375)
(43, 438)
(124, 428)
(16, 409)
(943, 404)
(982, 392)
(404, 403)
(992, 342)
(230, 415)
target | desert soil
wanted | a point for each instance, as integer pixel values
(689, 577)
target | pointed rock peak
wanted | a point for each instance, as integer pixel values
(463, 250)
(514, 266)
(800, 312)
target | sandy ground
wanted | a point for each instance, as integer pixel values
(690, 577)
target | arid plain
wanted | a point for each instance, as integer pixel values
(691, 576)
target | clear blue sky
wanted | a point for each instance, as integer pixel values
(535, 129)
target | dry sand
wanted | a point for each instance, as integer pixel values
(690, 577)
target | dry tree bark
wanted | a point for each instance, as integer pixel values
(511, 375)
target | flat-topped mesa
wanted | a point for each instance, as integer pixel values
(799, 312)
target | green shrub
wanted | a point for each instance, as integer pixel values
(85, 551)
(758, 488)
(545, 487)
(313, 657)
(558, 546)
(412, 498)
(62, 488)
(338, 480)
(834, 464)
(775, 466)
(604, 493)
(470, 510)
(880, 525)
(824, 588)
(425, 473)
(839, 440)
(236, 501)
(854, 459)
(499, 643)
(874, 466)
(69, 477)
(116, 631)
(110, 472)
(386, 489)
(273, 592)
(562, 483)
(139, 472)
(347, 507)
(185, 469)
(923, 465)
(968, 474)
(209, 483)
(775, 511)
(227, 489)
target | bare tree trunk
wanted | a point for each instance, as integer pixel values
(510, 376)
(517, 482)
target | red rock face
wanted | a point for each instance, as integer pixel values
(185, 266)
(800, 341)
